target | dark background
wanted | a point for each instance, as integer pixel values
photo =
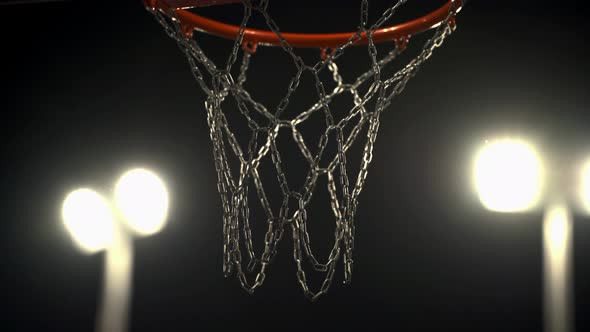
(91, 88)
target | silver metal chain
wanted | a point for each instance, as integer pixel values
(383, 85)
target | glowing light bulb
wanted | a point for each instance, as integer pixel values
(87, 217)
(142, 200)
(508, 176)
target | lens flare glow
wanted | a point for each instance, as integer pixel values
(508, 176)
(87, 217)
(142, 199)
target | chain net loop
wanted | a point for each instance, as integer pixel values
(363, 116)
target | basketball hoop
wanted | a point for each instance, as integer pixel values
(191, 21)
(382, 85)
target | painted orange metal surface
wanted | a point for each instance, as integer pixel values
(401, 32)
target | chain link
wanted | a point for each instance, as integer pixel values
(343, 192)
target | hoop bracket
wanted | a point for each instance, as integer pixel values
(453, 23)
(401, 43)
(249, 47)
(326, 52)
(187, 30)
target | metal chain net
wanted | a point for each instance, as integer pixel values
(383, 85)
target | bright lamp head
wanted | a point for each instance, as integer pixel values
(508, 176)
(142, 200)
(87, 217)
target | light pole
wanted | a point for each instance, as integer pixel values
(509, 177)
(141, 203)
(557, 268)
